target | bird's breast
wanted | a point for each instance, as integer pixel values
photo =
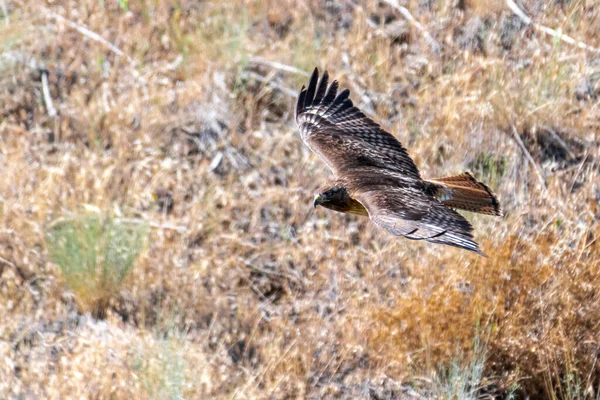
(356, 208)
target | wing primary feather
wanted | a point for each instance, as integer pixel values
(344, 94)
(325, 114)
(337, 111)
(322, 88)
(300, 102)
(312, 87)
(439, 234)
(331, 93)
(350, 141)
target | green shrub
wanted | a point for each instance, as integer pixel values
(95, 254)
(465, 380)
(160, 362)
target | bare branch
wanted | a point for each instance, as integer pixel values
(537, 169)
(92, 35)
(559, 140)
(4, 263)
(47, 97)
(269, 82)
(549, 31)
(408, 16)
(518, 12)
(279, 66)
(154, 224)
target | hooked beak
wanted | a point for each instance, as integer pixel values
(317, 200)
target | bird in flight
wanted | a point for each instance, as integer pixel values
(375, 176)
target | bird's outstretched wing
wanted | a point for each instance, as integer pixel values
(375, 167)
(412, 214)
(342, 135)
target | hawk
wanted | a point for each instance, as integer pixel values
(375, 176)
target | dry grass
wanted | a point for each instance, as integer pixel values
(243, 291)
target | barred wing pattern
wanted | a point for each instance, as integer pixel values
(375, 168)
(342, 135)
(412, 215)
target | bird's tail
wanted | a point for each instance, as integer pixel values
(465, 193)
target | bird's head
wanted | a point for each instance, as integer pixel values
(331, 197)
(337, 198)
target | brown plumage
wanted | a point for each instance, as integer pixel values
(465, 193)
(375, 176)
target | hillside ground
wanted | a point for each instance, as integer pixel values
(157, 236)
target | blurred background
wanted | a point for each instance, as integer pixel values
(157, 236)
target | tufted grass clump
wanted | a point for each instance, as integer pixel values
(95, 255)
(463, 381)
(160, 363)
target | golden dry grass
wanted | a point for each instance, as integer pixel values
(244, 291)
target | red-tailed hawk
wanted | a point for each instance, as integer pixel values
(375, 176)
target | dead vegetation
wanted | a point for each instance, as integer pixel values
(177, 116)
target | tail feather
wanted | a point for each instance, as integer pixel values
(464, 192)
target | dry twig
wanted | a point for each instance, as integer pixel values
(408, 16)
(548, 31)
(47, 97)
(92, 35)
(528, 155)
(6, 263)
(154, 224)
(275, 85)
(279, 66)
